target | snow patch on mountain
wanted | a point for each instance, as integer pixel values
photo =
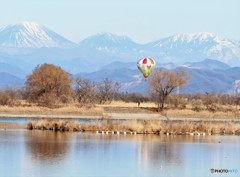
(235, 89)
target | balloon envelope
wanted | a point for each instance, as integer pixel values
(146, 66)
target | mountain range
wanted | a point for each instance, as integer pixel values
(25, 45)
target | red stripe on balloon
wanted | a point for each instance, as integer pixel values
(144, 61)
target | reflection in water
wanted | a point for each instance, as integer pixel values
(45, 145)
(45, 153)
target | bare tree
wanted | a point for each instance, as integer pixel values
(106, 90)
(85, 91)
(163, 83)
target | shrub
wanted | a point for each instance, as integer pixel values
(178, 101)
(5, 99)
(197, 105)
(212, 107)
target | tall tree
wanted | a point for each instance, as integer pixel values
(47, 82)
(163, 83)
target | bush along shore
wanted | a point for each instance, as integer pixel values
(138, 127)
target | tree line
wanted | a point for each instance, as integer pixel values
(49, 85)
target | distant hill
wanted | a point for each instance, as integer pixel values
(120, 75)
(207, 64)
(7, 68)
(10, 81)
(205, 80)
(119, 65)
(133, 65)
(201, 80)
(131, 80)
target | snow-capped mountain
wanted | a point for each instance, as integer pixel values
(31, 35)
(178, 49)
(195, 47)
(109, 42)
(113, 45)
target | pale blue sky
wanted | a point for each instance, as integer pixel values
(141, 20)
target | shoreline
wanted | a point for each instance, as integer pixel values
(118, 123)
(118, 116)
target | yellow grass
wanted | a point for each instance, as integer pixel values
(121, 107)
(63, 110)
(232, 111)
(128, 104)
(204, 113)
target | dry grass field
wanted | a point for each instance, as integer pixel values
(121, 107)
(149, 107)
(25, 108)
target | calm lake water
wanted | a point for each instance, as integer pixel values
(25, 153)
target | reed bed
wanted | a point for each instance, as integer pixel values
(140, 127)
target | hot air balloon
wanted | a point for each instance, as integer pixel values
(146, 66)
